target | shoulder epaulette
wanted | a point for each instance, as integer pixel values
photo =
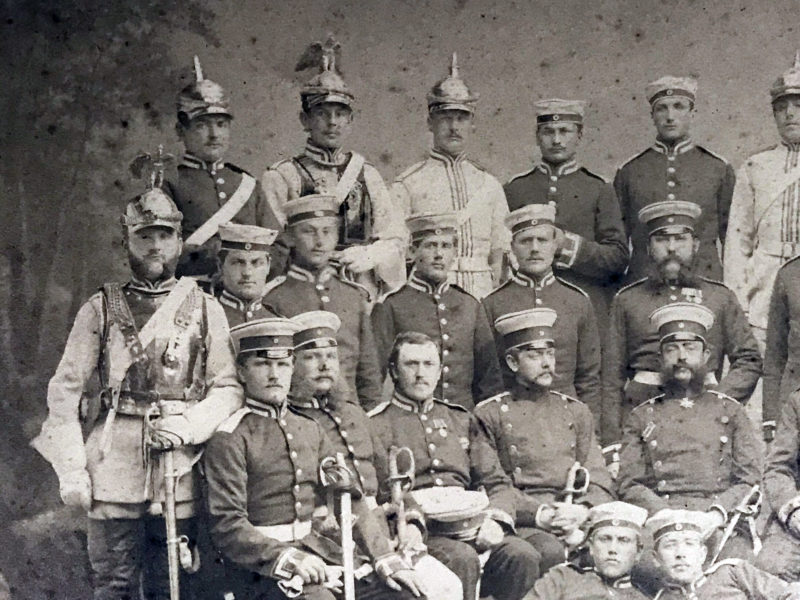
(230, 424)
(283, 161)
(410, 171)
(354, 284)
(649, 401)
(630, 285)
(271, 285)
(571, 285)
(463, 291)
(520, 175)
(499, 287)
(723, 395)
(386, 295)
(634, 157)
(495, 398)
(478, 166)
(566, 396)
(451, 404)
(712, 153)
(595, 175)
(237, 169)
(730, 562)
(378, 409)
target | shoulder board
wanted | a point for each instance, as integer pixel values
(463, 291)
(520, 175)
(571, 286)
(577, 568)
(271, 285)
(236, 169)
(451, 405)
(296, 410)
(495, 398)
(566, 397)
(385, 296)
(280, 163)
(714, 281)
(630, 285)
(649, 401)
(634, 157)
(499, 287)
(378, 409)
(410, 171)
(355, 285)
(791, 260)
(712, 153)
(724, 396)
(478, 165)
(232, 422)
(594, 175)
(730, 562)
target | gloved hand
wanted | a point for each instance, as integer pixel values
(489, 535)
(75, 488)
(569, 517)
(309, 567)
(408, 579)
(358, 258)
(171, 432)
(411, 539)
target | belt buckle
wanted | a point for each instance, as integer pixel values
(296, 533)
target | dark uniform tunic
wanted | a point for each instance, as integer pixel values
(577, 342)
(689, 454)
(302, 291)
(569, 582)
(596, 252)
(634, 346)
(238, 311)
(455, 320)
(685, 172)
(199, 191)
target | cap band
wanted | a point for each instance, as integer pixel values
(313, 214)
(418, 235)
(615, 523)
(452, 105)
(677, 527)
(671, 92)
(568, 117)
(251, 246)
(528, 223)
(530, 335)
(324, 335)
(267, 342)
(681, 222)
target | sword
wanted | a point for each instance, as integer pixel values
(334, 473)
(747, 507)
(401, 483)
(577, 485)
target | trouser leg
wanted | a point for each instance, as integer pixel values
(511, 570)
(780, 554)
(461, 559)
(155, 580)
(551, 548)
(115, 555)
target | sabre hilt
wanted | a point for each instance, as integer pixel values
(403, 476)
(577, 482)
(336, 476)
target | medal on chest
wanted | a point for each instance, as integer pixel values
(686, 403)
(692, 295)
(441, 426)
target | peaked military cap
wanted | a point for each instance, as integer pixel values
(788, 83)
(451, 93)
(422, 225)
(669, 86)
(556, 109)
(533, 328)
(530, 216)
(617, 514)
(671, 216)
(682, 321)
(669, 520)
(316, 329)
(310, 207)
(274, 336)
(245, 237)
(202, 97)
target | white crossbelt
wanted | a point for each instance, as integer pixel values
(289, 532)
(655, 378)
(228, 210)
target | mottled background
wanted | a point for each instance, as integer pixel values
(86, 85)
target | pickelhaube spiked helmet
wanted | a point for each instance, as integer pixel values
(451, 93)
(788, 83)
(153, 208)
(202, 97)
(327, 85)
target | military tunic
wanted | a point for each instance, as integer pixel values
(367, 211)
(199, 191)
(569, 582)
(577, 341)
(733, 580)
(764, 229)
(689, 454)
(444, 184)
(685, 172)
(238, 311)
(596, 251)
(634, 346)
(455, 320)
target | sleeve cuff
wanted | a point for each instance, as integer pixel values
(720, 509)
(538, 519)
(417, 519)
(386, 566)
(611, 452)
(785, 512)
(569, 251)
(284, 565)
(501, 517)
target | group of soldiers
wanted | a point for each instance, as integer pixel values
(315, 384)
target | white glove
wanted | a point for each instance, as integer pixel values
(170, 432)
(75, 488)
(358, 258)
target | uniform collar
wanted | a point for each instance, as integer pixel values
(446, 158)
(266, 410)
(228, 299)
(522, 392)
(191, 161)
(311, 402)
(325, 156)
(690, 590)
(416, 282)
(162, 286)
(559, 170)
(621, 583)
(527, 281)
(679, 148)
(295, 271)
(406, 403)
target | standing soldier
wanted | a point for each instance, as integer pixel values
(209, 191)
(151, 340)
(313, 283)
(591, 251)
(631, 361)
(539, 435)
(533, 285)
(449, 182)
(428, 303)
(244, 262)
(675, 168)
(765, 221)
(371, 237)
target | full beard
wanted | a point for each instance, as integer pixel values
(152, 269)
(685, 277)
(693, 387)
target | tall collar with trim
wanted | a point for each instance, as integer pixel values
(325, 156)
(402, 401)
(447, 158)
(266, 410)
(416, 282)
(527, 281)
(565, 168)
(295, 271)
(310, 402)
(680, 148)
(154, 288)
(790, 147)
(620, 583)
(232, 301)
(191, 161)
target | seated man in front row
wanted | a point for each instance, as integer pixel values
(615, 543)
(539, 435)
(452, 460)
(262, 468)
(679, 537)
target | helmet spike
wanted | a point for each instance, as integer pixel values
(198, 70)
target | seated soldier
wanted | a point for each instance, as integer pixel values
(614, 541)
(243, 265)
(452, 460)
(681, 552)
(428, 303)
(347, 426)
(263, 476)
(540, 435)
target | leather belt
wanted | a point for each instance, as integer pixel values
(290, 532)
(780, 249)
(173, 406)
(654, 378)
